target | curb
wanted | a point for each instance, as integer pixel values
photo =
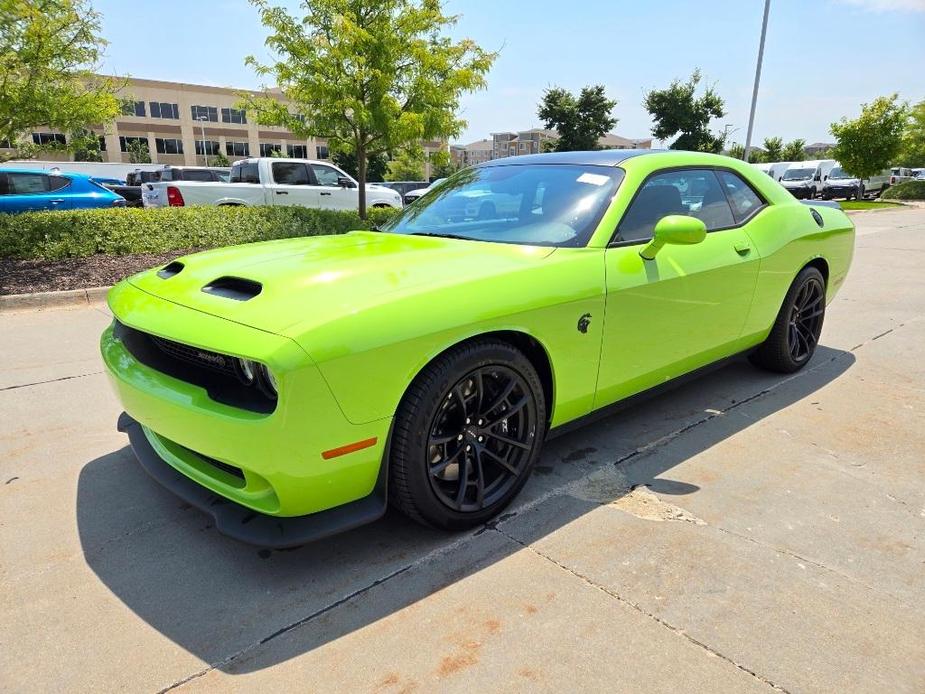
(45, 300)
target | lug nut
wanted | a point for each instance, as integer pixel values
(459, 438)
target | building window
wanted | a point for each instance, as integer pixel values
(321, 151)
(102, 143)
(162, 109)
(209, 113)
(124, 142)
(297, 151)
(169, 145)
(234, 115)
(267, 149)
(6, 144)
(133, 108)
(49, 139)
(299, 117)
(212, 147)
(237, 149)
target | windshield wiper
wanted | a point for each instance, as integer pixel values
(441, 236)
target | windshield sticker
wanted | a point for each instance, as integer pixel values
(593, 179)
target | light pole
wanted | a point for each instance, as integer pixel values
(202, 124)
(751, 114)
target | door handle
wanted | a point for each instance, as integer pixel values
(323, 193)
(282, 192)
(743, 248)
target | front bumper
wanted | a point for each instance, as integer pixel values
(801, 193)
(839, 192)
(272, 463)
(243, 524)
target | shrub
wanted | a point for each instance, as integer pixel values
(120, 231)
(908, 190)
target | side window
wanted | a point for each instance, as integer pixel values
(27, 183)
(325, 174)
(194, 175)
(744, 201)
(58, 182)
(4, 185)
(693, 192)
(290, 173)
(245, 173)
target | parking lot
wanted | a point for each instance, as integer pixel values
(744, 532)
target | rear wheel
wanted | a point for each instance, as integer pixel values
(793, 339)
(466, 435)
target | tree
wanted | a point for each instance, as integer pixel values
(773, 149)
(85, 144)
(219, 159)
(441, 164)
(50, 50)
(912, 152)
(794, 151)
(870, 143)
(370, 76)
(677, 112)
(579, 121)
(408, 165)
(138, 152)
(376, 166)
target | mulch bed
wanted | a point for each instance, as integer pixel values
(28, 276)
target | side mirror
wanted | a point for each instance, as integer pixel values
(676, 229)
(345, 182)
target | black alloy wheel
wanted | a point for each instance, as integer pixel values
(806, 320)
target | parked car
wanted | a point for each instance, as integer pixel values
(918, 173)
(774, 169)
(22, 190)
(403, 187)
(900, 174)
(131, 190)
(841, 184)
(804, 179)
(413, 195)
(270, 181)
(307, 382)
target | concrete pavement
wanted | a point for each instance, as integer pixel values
(745, 532)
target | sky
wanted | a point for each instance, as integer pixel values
(823, 58)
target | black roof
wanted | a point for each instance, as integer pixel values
(598, 157)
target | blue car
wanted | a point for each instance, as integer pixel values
(24, 190)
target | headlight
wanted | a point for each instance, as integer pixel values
(266, 381)
(245, 370)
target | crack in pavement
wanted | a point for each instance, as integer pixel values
(50, 380)
(638, 608)
(554, 492)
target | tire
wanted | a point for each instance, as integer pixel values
(795, 334)
(437, 440)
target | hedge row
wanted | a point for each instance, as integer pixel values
(908, 190)
(79, 233)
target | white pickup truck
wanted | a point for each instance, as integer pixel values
(270, 181)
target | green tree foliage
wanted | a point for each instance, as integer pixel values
(441, 164)
(407, 165)
(870, 143)
(794, 151)
(773, 149)
(85, 145)
(580, 121)
(737, 151)
(50, 50)
(376, 165)
(912, 152)
(219, 159)
(370, 76)
(677, 112)
(138, 152)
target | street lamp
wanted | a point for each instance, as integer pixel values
(751, 114)
(202, 124)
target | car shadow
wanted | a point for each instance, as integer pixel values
(222, 600)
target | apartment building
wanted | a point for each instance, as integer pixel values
(471, 154)
(189, 123)
(532, 141)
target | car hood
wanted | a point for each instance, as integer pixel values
(797, 183)
(836, 182)
(287, 287)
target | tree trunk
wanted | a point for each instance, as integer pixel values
(361, 177)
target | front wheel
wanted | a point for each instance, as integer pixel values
(466, 435)
(795, 334)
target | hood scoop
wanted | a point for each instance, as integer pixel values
(235, 288)
(170, 270)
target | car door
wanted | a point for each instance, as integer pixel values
(687, 307)
(292, 185)
(27, 192)
(331, 194)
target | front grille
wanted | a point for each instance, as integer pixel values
(212, 371)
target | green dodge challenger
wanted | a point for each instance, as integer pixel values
(291, 389)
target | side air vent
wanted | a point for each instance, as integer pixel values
(234, 288)
(170, 270)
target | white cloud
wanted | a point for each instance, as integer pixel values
(887, 5)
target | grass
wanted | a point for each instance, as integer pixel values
(866, 204)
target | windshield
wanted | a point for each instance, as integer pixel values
(798, 174)
(839, 172)
(542, 205)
